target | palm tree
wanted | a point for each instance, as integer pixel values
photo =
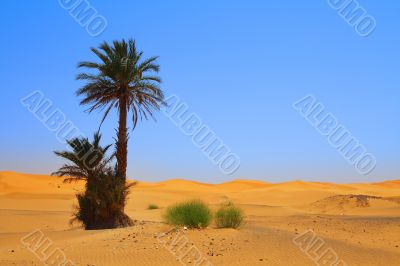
(123, 80)
(102, 203)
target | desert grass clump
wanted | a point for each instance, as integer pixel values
(229, 216)
(193, 214)
(152, 207)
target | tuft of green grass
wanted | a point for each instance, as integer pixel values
(152, 207)
(229, 216)
(193, 214)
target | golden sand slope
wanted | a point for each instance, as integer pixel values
(360, 222)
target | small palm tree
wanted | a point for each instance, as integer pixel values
(123, 80)
(102, 203)
(87, 159)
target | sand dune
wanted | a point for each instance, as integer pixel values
(360, 222)
(357, 204)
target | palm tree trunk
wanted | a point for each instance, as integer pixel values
(122, 142)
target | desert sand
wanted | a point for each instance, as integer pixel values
(360, 223)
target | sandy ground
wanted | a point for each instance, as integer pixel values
(351, 224)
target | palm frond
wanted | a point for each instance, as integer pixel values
(121, 73)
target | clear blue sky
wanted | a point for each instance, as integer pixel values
(239, 65)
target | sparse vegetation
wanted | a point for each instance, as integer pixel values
(121, 79)
(193, 214)
(152, 207)
(229, 216)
